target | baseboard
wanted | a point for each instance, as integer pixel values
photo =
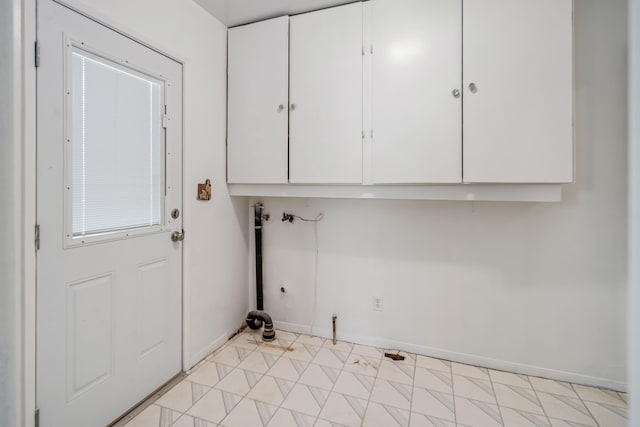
(469, 359)
(293, 327)
(207, 350)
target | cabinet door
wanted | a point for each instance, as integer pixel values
(417, 67)
(518, 91)
(325, 139)
(258, 98)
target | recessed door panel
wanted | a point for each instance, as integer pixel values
(89, 333)
(153, 305)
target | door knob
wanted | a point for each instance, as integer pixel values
(293, 107)
(473, 88)
(177, 236)
(456, 93)
(280, 108)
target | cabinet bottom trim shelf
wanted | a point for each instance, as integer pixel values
(468, 192)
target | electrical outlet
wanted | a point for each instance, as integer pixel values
(377, 303)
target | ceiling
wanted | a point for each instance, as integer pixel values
(238, 12)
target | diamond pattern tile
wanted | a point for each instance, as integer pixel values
(250, 413)
(474, 412)
(392, 393)
(364, 365)
(433, 364)
(433, 380)
(285, 418)
(353, 384)
(433, 403)
(520, 398)
(385, 416)
(517, 417)
(608, 415)
(209, 373)
(566, 408)
(156, 416)
(304, 381)
(344, 409)
(271, 390)
(183, 396)
(214, 406)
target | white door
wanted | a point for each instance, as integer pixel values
(109, 175)
(325, 82)
(417, 102)
(258, 131)
(518, 95)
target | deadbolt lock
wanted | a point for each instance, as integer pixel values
(175, 213)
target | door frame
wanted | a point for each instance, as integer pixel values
(29, 35)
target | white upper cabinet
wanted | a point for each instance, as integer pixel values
(417, 102)
(325, 128)
(518, 91)
(258, 56)
(392, 92)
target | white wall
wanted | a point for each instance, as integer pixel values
(634, 211)
(537, 288)
(216, 243)
(11, 368)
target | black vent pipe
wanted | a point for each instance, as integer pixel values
(257, 222)
(256, 318)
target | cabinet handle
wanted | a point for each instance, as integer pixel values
(280, 108)
(456, 93)
(473, 88)
(293, 107)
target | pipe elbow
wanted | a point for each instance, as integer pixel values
(255, 320)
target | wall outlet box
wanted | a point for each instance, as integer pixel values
(377, 303)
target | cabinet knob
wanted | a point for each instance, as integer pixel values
(293, 107)
(456, 93)
(473, 88)
(280, 108)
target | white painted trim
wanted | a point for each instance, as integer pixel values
(186, 245)
(207, 350)
(470, 359)
(634, 213)
(293, 327)
(469, 192)
(28, 36)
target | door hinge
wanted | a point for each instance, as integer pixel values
(164, 117)
(36, 54)
(36, 240)
(36, 417)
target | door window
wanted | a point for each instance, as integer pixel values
(115, 154)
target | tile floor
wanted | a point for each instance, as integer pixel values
(301, 381)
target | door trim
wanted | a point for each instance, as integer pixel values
(28, 38)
